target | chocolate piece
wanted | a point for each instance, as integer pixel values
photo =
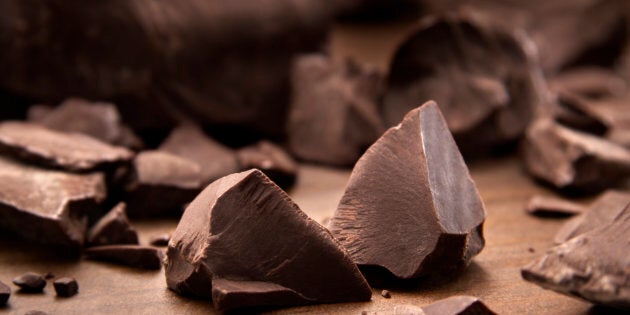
(601, 212)
(553, 206)
(30, 282)
(484, 79)
(272, 160)
(113, 228)
(410, 205)
(66, 287)
(221, 249)
(5, 294)
(161, 183)
(592, 266)
(593, 82)
(69, 151)
(160, 240)
(137, 256)
(334, 115)
(190, 142)
(458, 305)
(48, 206)
(569, 159)
(386, 294)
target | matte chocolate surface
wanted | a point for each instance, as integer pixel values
(272, 160)
(334, 115)
(243, 242)
(5, 294)
(592, 266)
(30, 282)
(410, 205)
(66, 287)
(68, 151)
(458, 305)
(113, 228)
(553, 206)
(137, 256)
(48, 206)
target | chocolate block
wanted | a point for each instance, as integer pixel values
(601, 212)
(5, 294)
(592, 266)
(553, 206)
(485, 80)
(48, 206)
(113, 228)
(334, 113)
(592, 82)
(573, 160)
(190, 142)
(458, 305)
(244, 243)
(272, 160)
(68, 151)
(160, 240)
(161, 184)
(30, 282)
(137, 256)
(66, 287)
(410, 205)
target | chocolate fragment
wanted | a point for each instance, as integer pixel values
(386, 294)
(68, 151)
(592, 266)
(222, 249)
(410, 205)
(160, 240)
(458, 305)
(5, 294)
(190, 142)
(484, 79)
(272, 160)
(334, 113)
(602, 211)
(137, 256)
(161, 183)
(66, 287)
(113, 228)
(553, 206)
(48, 206)
(30, 282)
(573, 160)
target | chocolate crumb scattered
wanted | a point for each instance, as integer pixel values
(66, 287)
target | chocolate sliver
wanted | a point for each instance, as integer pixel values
(137, 256)
(230, 294)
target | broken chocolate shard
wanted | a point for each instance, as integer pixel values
(221, 249)
(68, 151)
(190, 142)
(66, 287)
(592, 266)
(458, 305)
(160, 240)
(48, 206)
(137, 256)
(113, 228)
(5, 294)
(30, 282)
(553, 206)
(334, 115)
(161, 184)
(410, 205)
(272, 160)
(601, 212)
(573, 160)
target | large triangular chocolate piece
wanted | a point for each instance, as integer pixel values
(410, 205)
(245, 243)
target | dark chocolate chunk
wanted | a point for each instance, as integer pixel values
(592, 266)
(553, 206)
(386, 294)
(160, 240)
(30, 282)
(334, 113)
(602, 212)
(161, 184)
(190, 142)
(569, 159)
(48, 206)
(222, 249)
(458, 305)
(137, 256)
(5, 294)
(594, 82)
(484, 79)
(272, 160)
(113, 228)
(66, 287)
(68, 151)
(410, 205)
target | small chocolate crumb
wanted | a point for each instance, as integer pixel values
(66, 287)
(160, 240)
(386, 294)
(531, 250)
(30, 282)
(5, 293)
(49, 275)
